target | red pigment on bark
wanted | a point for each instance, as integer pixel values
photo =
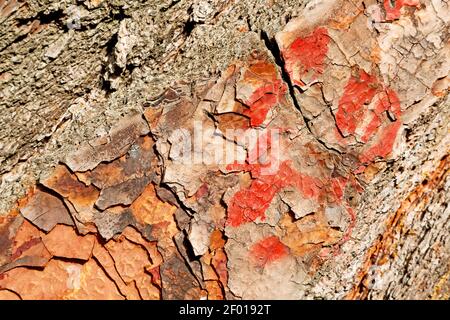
(251, 203)
(264, 76)
(259, 93)
(371, 128)
(24, 247)
(306, 54)
(393, 7)
(262, 100)
(358, 92)
(338, 187)
(385, 144)
(267, 251)
(388, 101)
(258, 111)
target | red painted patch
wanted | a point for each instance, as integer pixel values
(267, 251)
(262, 76)
(307, 55)
(262, 100)
(258, 111)
(384, 145)
(251, 203)
(338, 187)
(372, 128)
(389, 101)
(358, 92)
(259, 93)
(393, 7)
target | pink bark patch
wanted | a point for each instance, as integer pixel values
(307, 55)
(267, 251)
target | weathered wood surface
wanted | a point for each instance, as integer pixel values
(343, 195)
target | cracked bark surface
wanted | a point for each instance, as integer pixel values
(98, 202)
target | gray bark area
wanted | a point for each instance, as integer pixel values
(69, 70)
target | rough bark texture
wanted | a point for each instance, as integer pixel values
(343, 195)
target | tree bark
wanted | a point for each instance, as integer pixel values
(342, 193)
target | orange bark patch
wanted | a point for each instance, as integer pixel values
(130, 259)
(151, 247)
(26, 237)
(91, 283)
(106, 261)
(219, 262)
(149, 209)
(67, 185)
(27, 249)
(8, 295)
(63, 241)
(214, 290)
(216, 240)
(57, 281)
(232, 121)
(307, 234)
